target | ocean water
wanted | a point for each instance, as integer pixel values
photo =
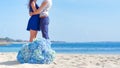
(74, 48)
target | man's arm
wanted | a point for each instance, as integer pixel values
(38, 11)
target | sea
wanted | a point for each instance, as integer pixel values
(74, 48)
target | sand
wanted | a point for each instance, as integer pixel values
(8, 60)
(4, 43)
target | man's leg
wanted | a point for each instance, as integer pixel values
(44, 22)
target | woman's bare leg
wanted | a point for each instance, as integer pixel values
(33, 35)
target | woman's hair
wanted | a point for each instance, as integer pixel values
(30, 1)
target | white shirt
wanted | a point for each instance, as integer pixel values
(45, 10)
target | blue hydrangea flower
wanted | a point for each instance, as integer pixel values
(37, 52)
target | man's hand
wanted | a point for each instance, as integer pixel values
(31, 13)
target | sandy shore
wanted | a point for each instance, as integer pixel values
(8, 60)
(4, 43)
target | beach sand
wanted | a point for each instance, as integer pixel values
(8, 60)
(4, 43)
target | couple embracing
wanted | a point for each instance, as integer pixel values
(39, 19)
(37, 51)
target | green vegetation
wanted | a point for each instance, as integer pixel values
(8, 40)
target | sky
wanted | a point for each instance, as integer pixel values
(70, 20)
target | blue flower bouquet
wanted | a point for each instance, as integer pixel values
(37, 52)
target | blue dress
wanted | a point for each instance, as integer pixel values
(34, 21)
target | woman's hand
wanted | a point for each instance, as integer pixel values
(39, 10)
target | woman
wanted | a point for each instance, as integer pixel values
(33, 23)
(43, 10)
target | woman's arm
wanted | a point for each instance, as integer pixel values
(33, 5)
(38, 11)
